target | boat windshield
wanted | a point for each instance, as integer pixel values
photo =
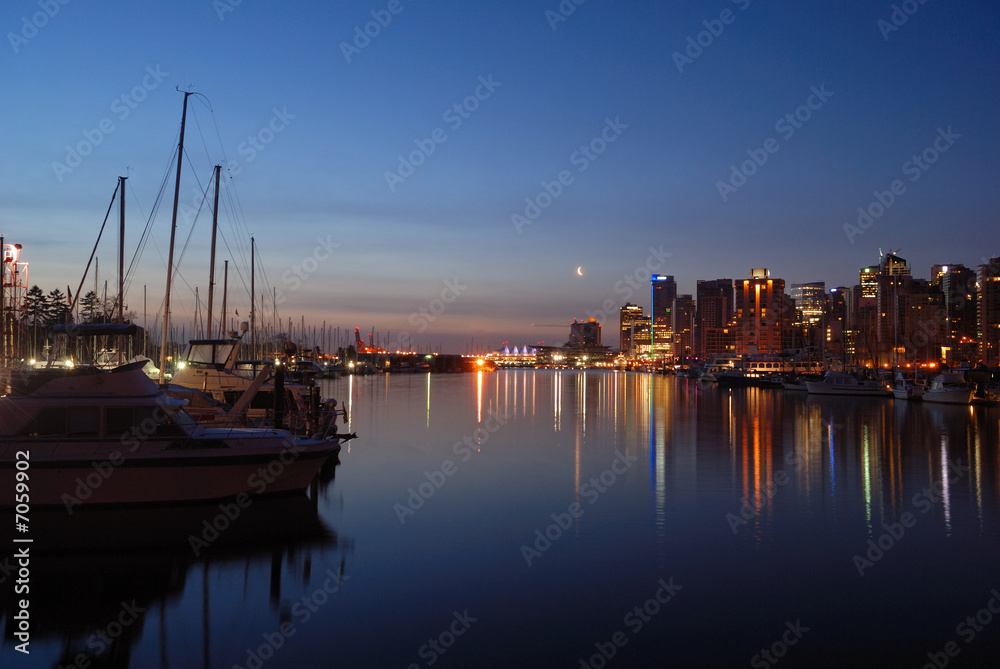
(208, 353)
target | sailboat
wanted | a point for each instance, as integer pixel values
(93, 436)
(210, 366)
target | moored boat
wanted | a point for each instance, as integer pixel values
(733, 378)
(906, 388)
(794, 384)
(841, 383)
(88, 436)
(949, 388)
(212, 366)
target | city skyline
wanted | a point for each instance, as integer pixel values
(403, 168)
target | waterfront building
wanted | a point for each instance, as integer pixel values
(837, 323)
(988, 313)
(714, 318)
(958, 288)
(923, 332)
(888, 330)
(762, 314)
(627, 316)
(809, 301)
(682, 325)
(662, 295)
(641, 336)
(574, 356)
(584, 334)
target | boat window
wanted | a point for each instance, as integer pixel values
(211, 353)
(146, 420)
(75, 422)
(83, 422)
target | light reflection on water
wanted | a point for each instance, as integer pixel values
(755, 500)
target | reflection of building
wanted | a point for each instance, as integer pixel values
(762, 314)
(626, 326)
(586, 334)
(714, 318)
(663, 294)
(988, 321)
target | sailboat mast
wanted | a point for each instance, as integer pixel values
(173, 235)
(225, 292)
(211, 266)
(121, 262)
(253, 301)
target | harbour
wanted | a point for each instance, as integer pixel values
(551, 507)
(563, 334)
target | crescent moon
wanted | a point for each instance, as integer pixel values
(579, 270)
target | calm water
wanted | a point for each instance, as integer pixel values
(539, 518)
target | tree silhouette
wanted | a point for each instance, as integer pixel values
(56, 308)
(89, 308)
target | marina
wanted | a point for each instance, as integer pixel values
(757, 507)
(445, 335)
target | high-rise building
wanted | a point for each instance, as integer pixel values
(627, 316)
(837, 323)
(641, 336)
(868, 279)
(958, 287)
(586, 334)
(809, 301)
(988, 320)
(907, 321)
(682, 324)
(714, 318)
(923, 332)
(663, 294)
(762, 315)
(892, 265)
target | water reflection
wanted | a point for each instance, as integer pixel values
(155, 586)
(762, 445)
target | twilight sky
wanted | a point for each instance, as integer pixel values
(469, 157)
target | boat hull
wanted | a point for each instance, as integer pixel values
(732, 381)
(821, 388)
(111, 478)
(951, 396)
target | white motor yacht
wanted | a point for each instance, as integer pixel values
(91, 436)
(949, 388)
